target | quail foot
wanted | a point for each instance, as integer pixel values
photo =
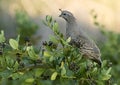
(87, 46)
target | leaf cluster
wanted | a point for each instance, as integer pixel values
(57, 63)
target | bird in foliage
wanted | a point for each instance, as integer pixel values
(79, 39)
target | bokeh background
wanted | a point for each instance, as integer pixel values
(26, 17)
(108, 12)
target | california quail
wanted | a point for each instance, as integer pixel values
(79, 39)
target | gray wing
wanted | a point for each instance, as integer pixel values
(86, 46)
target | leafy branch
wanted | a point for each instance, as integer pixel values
(54, 64)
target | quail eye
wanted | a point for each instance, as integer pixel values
(64, 14)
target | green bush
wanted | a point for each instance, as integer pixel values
(110, 49)
(52, 65)
(111, 52)
(26, 28)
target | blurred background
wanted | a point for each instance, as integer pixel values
(25, 17)
(108, 12)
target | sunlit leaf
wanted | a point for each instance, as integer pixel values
(108, 71)
(62, 64)
(18, 38)
(54, 75)
(29, 80)
(32, 53)
(94, 70)
(13, 43)
(106, 77)
(63, 71)
(68, 40)
(55, 27)
(47, 54)
(104, 63)
(2, 38)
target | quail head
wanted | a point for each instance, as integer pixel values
(87, 46)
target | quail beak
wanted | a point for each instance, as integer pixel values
(60, 15)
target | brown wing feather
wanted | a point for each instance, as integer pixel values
(87, 48)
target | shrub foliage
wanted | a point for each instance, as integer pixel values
(57, 63)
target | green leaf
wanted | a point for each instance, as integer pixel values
(10, 62)
(104, 63)
(18, 38)
(16, 65)
(63, 71)
(68, 40)
(2, 38)
(63, 42)
(48, 18)
(69, 73)
(108, 71)
(106, 77)
(47, 54)
(16, 75)
(53, 39)
(54, 75)
(95, 70)
(105, 74)
(13, 43)
(32, 53)
(5, 74)
(29, 80)
(51, 58)
(38, 72)
(55, 27)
